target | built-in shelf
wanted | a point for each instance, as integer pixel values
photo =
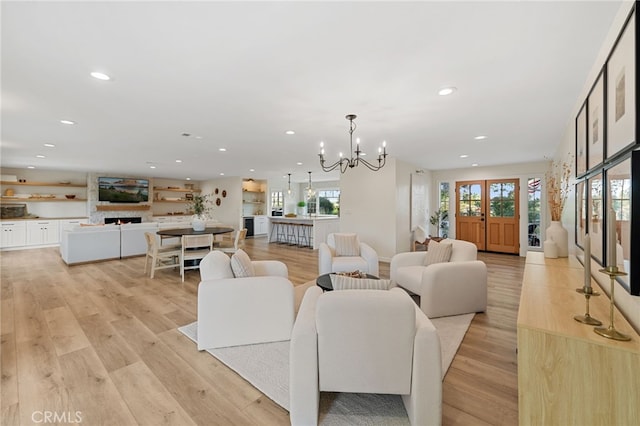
(172, 201)
(40, 199)
(175, 189)
(122, 207)
(68, 185)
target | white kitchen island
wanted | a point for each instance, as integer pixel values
(317, 227)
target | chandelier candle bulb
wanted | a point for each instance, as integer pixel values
(587, 263)
(613, 240)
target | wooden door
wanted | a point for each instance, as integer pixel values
(488, 214)
(503, 216)
(470, 224)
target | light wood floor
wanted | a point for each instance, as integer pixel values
(99, 343)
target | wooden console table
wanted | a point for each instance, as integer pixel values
(567, 374)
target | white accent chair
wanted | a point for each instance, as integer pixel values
(329, 261)
(243, 311)
(450, 288)
(364, 341)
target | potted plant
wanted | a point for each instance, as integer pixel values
(301, 205)
(200, 205)
(436, 219)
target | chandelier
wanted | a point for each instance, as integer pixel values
(351, 162)
(310, 191)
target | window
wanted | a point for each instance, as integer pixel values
(621, 198)
(277, 200)
(326, 201)
(502, 199)
(444, 209)
(534, 190)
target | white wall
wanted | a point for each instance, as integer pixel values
(628, 305)
(522, 171)
(376, 206)
(230, 210)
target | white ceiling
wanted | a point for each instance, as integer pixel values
(239, 74)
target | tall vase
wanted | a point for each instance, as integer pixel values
(559, 235)
(198, 222)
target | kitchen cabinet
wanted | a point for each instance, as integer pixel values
(260, 225)
(43, 232)
(14, 234)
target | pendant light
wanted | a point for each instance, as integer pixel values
(310, 191)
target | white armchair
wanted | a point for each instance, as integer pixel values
(449, 288)
(331, 259)
(364, 341)
(243, 311)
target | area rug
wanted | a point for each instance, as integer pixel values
(266, 366)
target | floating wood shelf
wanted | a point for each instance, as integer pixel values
(41, 199)
(122, 207)
(175, 189)
(68, 185)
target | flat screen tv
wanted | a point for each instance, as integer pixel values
(123, 190)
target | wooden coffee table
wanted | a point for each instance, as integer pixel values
(324, 281)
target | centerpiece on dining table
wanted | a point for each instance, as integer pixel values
(200, 205)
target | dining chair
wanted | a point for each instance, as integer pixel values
(194, 248)
(161, 257)
(235, 244)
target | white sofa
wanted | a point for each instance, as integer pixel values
(132, 240)
(364, 341)
(102, 242)
(329, 262)
(90, 243)
(242, 311)
(450, 288)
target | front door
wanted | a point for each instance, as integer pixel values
(503, 216)
(470, 225)
(488, 214)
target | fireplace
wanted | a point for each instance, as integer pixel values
(122, 220)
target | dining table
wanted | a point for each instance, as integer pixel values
(179, 232)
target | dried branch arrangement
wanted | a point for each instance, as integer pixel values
(557, 178)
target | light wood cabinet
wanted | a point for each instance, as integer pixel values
(567, 374)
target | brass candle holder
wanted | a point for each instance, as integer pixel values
(611, 332)
(586, 318)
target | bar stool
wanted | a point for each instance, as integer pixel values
(281, 236)
(292, 238)
(302, 235)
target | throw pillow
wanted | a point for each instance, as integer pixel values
(438, 252)
(241, 265)
(342, 282)
(347, 244)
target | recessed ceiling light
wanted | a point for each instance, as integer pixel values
(67, 122)
(178, 161)
(221, 174)
(252, 170)
(479, 138)
(152, 167)
(188, 178)
(100, 76)
(474, 165)
(222, 149)
(290, 132)
(446, 91)
(463, 156)
(40, 156)
(299, 163)
(31, 167)
(198, 137)
(49, 145)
